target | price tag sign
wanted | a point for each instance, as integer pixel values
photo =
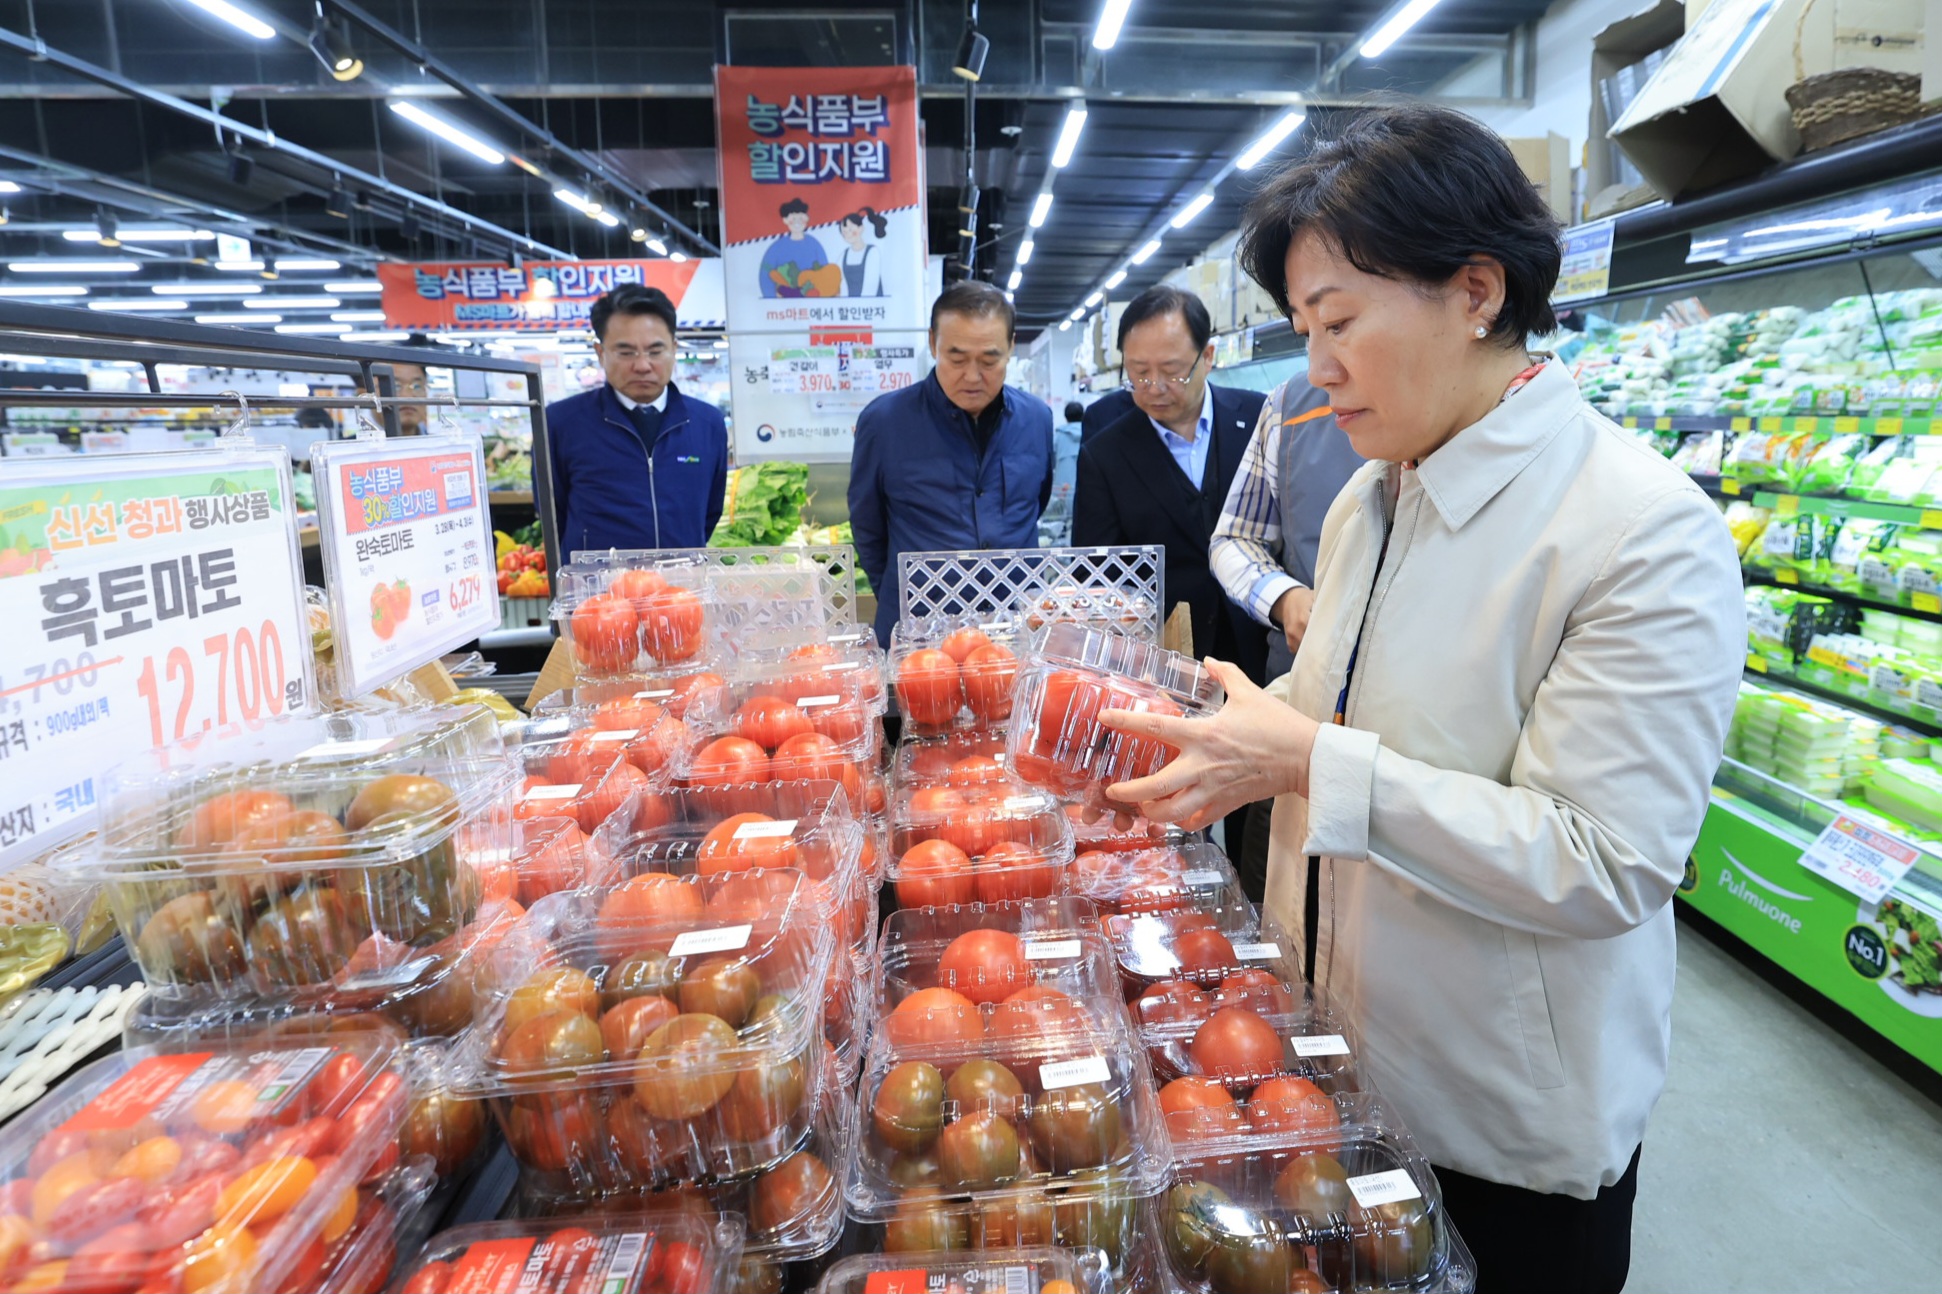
(408, 550)
(723, 939)
(1586, 270)
(1391, 1187)
(1865, 862)
(145, 599)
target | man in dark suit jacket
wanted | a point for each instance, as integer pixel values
(1159, 473)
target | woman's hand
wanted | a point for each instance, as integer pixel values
(1255, 749)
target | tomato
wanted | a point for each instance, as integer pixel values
(646, 913)
(843, 723)
(975, 771)
(1394, 1243)
(679, 1074)
(626, 1025)
(552, 988)
(750, 897)
(605, 633)
(684, 1270)
(425, 798)
(636, 586)
(730, 762)
(977, 1152)
(113, 1261)
(92, 1208)
(184, 1211)
(934, 873)
(1009, 872)
(989, 673)
(221, 818)
(792, 1196)
(551, 1047)
(768, 721)
(552, 856)
(1199, 1107)
(725, 986)
(1258, 990)
(220, 1256)
(1074, 1128)
(444, 1126)
(432, 1278)
(644, 974)
(224, 1108)
(1237, 1046)
(626, 714)
(924, 1222)
(908, 1111)
(1036, 1011)
(985, 965)
(650, 1150)
(311, 1139)
(814, 757)
(1068, 718)
(554, 1130)
(934, 1015)
(928, 688)
(579, 759)
(267, 1191)
(738, 844)
(604, 798)
(153, 1160)
(191, 940)
(687, 688)
(1174, 1001)
(1291, 1104)
(671, 625)
(1315, 1186)
(959, 644)
(303, 836)
(1204, 953)
(762, 1100)
(658, 745)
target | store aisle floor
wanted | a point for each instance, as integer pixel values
(1782, 1159)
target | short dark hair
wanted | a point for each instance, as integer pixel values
(1074, 411)
(977, 299)
(1162, 299)
(632, 299)
(794, 205)
(1411, 192)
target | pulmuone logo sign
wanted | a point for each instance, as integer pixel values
(1752, 897)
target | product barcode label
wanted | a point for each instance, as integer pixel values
(1372, 1189)
(1200, 876)
(765, 830)
(723, 939)
(617, 734)
(1321, 1044)
(812, 702)
(1051, 950)
(627, 1256)
(655, 695)
(1070, 1073)
(343, 749)
(1257, 952)
(1018, 1281)
(553, 792)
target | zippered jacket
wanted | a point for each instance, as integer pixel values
(612, 491)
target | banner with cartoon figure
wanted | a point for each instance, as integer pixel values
(823, 250)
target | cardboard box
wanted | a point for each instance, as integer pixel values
(1716, 110)
(1932, 53)
(1623, 45)
(1547, 164)
(1887, 34)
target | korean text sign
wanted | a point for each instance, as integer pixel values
(539, 295)
(823, 250)
(408, 550)
(146, 598)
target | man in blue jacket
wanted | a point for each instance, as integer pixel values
(958, 461)
(636, 464)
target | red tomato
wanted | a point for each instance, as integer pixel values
(1174, 1002)
(974, 771)
(934, 1015)
(985, 965)
(624, 713)
(432, 1278)
(1258, 990)
(728, 848)
(605, 634)
(656, 747)
(1068, 719)
(671, 625)
(843, 723)
(928, 688)
(811, 756)
(934, 873)
(115, 1260)
(687, 688)
(730, 762)
(1291, 1104)
(92, 1209)
(1010, 871)
(768, 721)
(989, 673)
(1237, 1046)
(605, 796)
(1199, 1107)
(959, 645)
(646, 913)
(750, 897)
(334, 1088)
(1204, 953)
(636, 586)
(552, 856)
(684, 1270)
(1035, 1011)
(579, 759)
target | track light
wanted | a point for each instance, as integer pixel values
(240, 167)
(104, 229)
(330, 41)
(972, 49)
(338, 203)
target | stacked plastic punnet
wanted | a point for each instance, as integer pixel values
(646, 623)
(954, 672)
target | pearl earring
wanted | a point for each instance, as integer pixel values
(1482, 332)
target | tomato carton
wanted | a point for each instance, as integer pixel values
(989, 953)
(982, 844)
(665, 1252)
(1040, 1270)
(998, 1102)
(332, 858)
(617, 620)
(1352, 1207)
(221, 1170)
(955, 670)
(788, 724)
(961, 758)
(1190, 874)
(1056, 740)
(660, 1030)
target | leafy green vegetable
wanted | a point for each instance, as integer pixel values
(1922, 967)
(763, 506)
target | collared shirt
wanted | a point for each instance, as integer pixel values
(1248, 535)
(1191, 454)
(659, 403)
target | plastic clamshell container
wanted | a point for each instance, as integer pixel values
(952, 670)
(936, 761)
(1051, 1090)
(842, 650)
(617, 620)
(552, 854)
(391, 1219)
(1105, 836)
(989, 844)
(671, 690)
(992, 1271)
(614, 1254)
(806, 722)
(583, 773)
(1100, 1214)
(1202, 946)
(987, 952)
(1358, 1207)
(329, 855)
(1193, 874)
(1253, 1048)
(1100, 608)
(1056, 740)
(643, 729)
(664, 1029)
(136, 1138)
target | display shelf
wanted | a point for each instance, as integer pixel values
(1818, 505)
(1820, 681)
(1782, 577)
(1787, 424)
(510, 498)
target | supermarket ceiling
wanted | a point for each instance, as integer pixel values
(109, 106)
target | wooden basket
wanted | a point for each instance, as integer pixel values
(1829, 108)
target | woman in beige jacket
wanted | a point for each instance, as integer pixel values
(1494, 750)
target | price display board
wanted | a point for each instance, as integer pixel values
(1865, 862)
(408, 552)
(145, 599)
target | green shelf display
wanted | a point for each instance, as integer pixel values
(1788, 424)
(1820, 680)
(1916, 606)
(1809, 505)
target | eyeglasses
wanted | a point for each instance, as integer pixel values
(1157, 384)
(628, 354)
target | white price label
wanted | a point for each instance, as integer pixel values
(343, 749)
(842, 666)
(654, 695)
(1257, 952)
(1321, 1044)
(1022, 803)
(812, 702)
(765, 830)
(553, 792)
(1056, 1074)
(616, 734)
(1865, 862)
(1372, 1189)
(1928, 694)
(1051, 950)
(1200, 876)
(724, 939)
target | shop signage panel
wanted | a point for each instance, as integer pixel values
(538, 296)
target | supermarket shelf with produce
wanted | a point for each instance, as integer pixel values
(1799, 381)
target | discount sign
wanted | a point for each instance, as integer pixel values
(144, 600)
(408, 551)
